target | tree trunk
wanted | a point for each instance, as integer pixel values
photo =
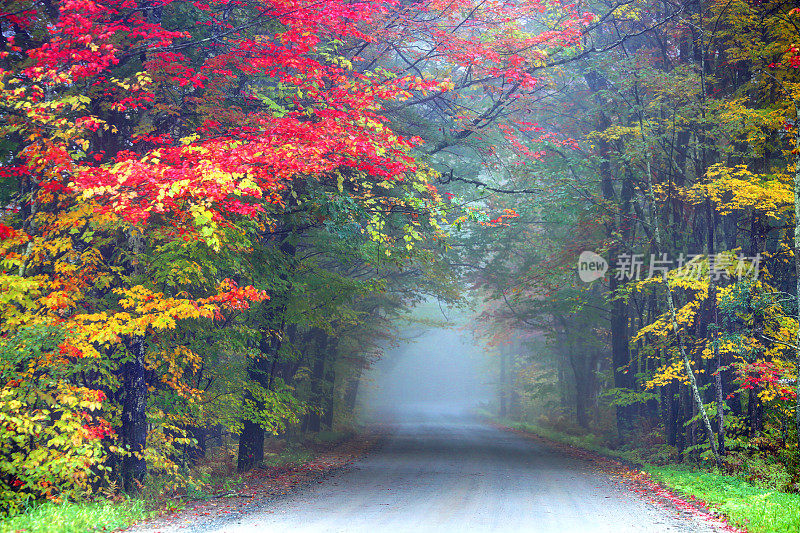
(262, 368)
(330, 380)
(670, 413)
(251, 440)
(676, 328)
(720, 404)
(620, 358)
(583, 364)
(251, 446)
(330, 399)
(194, 453)
(797, 256)
(133, 431)
(754, 413)
(618, 227)
(714, 334)
(680, 421)
(351, 391)
(317, 378)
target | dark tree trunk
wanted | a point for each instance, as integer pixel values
(714, 337)
(133, 431)
(620, 358)
(581, 405)
(670, 413)
(736, 401)
(720, 407)
(194, 453)
(692, 429)
(251, 440)
(681, 418)
(583, 367)
(330, 380)
(262, 369)
(617, 227)
(351, 392)
(330, 400)
(755, 412)
(251, 446)
(317, 379)
(563, 385)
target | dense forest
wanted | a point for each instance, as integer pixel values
(681, 183)
(216, 212)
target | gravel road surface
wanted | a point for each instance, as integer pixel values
(456, 474)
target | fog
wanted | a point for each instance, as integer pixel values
(435, 370)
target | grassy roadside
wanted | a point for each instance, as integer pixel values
(213, 478)
(77, 517)
(754, 508)
(757, 509)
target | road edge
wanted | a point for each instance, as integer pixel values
(260, 490)
(631, 475)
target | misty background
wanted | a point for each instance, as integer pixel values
(436, 369)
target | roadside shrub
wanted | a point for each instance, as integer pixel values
(769, 474)
(51, 438)
(219, 462)
(660, 454)
(561, 424)
(766, 472)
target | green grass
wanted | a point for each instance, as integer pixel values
(587, 442)
(78, 517)
(332, 437)
(758, 509)
(291, 456)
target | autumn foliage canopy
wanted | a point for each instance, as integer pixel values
(153, 147)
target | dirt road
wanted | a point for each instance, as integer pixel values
(450, 474)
